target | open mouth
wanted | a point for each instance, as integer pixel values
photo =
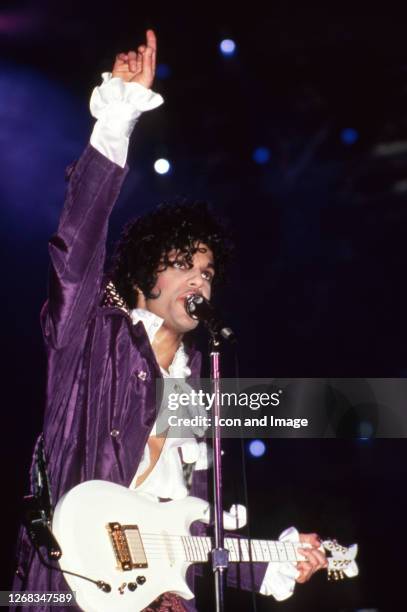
(184, 296)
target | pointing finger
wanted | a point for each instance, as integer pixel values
(151, 39)
(153, 60)
(148, 71)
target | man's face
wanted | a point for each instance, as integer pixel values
(177, 282)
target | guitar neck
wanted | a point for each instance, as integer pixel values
(198, 548)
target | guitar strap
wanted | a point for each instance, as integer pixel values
(38, 507)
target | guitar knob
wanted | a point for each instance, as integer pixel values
(132, 586)
(141, 579)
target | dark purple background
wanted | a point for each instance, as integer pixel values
(318, 285)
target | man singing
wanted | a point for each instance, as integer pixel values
(109, 337)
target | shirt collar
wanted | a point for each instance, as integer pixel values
(152, 323)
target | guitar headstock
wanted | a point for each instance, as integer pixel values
(342, 562)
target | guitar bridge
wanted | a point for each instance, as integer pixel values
(127, 546)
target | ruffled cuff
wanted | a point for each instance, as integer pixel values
(279, 579)
(117, 106)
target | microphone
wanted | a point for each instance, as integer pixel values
(200, 309)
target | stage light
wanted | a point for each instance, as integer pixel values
(349, 136)
(261, 155)
(162, 166)
(163, 71)
(257, 448)
(227, 46)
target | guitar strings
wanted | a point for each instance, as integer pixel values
(197, 548)
(157, 546)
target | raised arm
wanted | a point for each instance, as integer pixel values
(77, 250)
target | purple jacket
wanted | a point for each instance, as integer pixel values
(100, 404)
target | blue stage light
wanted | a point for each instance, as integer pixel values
(261, 155)
(162, 166)
(163, 71)
(257, 448)
(349, 136)
(227, 46)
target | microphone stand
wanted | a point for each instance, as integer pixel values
(199, 308)
(219, 554)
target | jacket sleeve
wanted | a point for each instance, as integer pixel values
(77, 250)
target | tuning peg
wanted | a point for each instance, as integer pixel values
(335, 575)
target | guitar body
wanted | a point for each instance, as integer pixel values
(137, 549)
(80, 525)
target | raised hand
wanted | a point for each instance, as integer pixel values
(138, 66)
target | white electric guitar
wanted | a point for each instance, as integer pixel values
(137, 549)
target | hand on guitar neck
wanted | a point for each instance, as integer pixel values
(315, 557)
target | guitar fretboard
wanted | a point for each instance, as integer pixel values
(197, 549)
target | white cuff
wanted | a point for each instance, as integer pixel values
(117, 105)
(279, 579)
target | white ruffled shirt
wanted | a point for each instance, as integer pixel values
(117, 106)
(166, 480)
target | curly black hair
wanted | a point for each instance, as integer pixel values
(145, 243)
